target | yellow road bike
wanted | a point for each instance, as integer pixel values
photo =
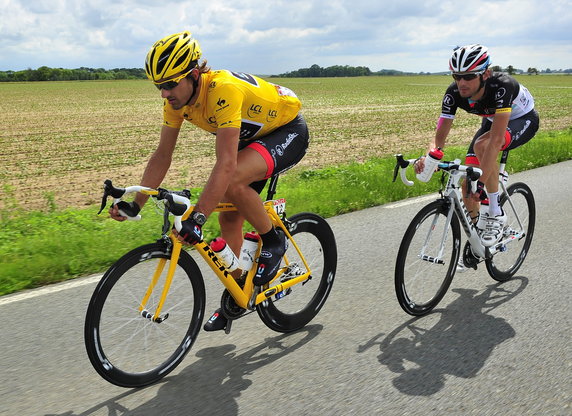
(147, 310)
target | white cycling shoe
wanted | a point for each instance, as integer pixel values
(493, 230)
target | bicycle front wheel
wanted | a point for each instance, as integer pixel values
(298, 305)
(427, 258)
(520, 209)
(125, 346)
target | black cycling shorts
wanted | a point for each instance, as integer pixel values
(518, 132)
(281, 149)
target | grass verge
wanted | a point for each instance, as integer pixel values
(39, 248)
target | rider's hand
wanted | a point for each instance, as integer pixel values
(480, 194)
(419, 164)
(129, 208)
(191, 232)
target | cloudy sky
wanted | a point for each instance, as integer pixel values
(276, 36)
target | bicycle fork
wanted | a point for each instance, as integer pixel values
(438, 259)
(174, 259)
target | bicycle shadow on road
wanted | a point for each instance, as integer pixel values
(455, 341)
(210, 385)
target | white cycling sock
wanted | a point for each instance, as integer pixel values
(494, 207)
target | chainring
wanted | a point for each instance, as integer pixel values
(469, 258)
(229, 307)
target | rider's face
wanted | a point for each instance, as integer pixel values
(468, 88)
(179, 95)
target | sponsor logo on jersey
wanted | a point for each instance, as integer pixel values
(254, 110)
(271, 116)
(500, 93)
(448, 100)
(222, 104)
(503, 110)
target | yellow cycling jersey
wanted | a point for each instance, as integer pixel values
(231, 99)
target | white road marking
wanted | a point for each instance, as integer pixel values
(29, 294)
(411, 201)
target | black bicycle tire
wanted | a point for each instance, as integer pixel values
(440, 207)
(275, 319)
(494, 272)
(92, 341)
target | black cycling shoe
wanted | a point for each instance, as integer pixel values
(269, 260)
(216, 322)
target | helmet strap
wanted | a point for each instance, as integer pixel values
(195, 87)
(482, 84)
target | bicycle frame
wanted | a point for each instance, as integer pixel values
(246, 297)
(452, 194)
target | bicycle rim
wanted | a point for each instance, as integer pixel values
(511, 255)
(128, 349)
(427, 259)
(298, 305)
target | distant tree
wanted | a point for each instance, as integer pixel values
(496, 68)
(510, 70)
(331, 71)
(532, 71)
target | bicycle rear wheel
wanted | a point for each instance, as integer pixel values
(127, 348)
(427, 259)
(299, 304)
(521, 216)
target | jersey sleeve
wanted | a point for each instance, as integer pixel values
(505, 95)
(171, 117)
(450, 102)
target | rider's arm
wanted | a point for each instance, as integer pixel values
(443, 128)
(441, 133)
(226, 149)
(159, 163)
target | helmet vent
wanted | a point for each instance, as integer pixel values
(182, 59)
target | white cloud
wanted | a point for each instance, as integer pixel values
(269, 37)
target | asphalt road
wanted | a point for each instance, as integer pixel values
(487, 349)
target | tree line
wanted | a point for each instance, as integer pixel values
(45, 73)
(332, 71)
(351, 71)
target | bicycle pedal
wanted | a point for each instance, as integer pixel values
(228, 326)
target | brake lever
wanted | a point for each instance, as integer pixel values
(110, 190)
(401, 163)
(107, 185)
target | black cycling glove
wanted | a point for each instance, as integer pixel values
(481, 191)
(191, 231)
(129, 209)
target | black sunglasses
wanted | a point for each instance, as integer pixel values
(169, 85)
(466, 77)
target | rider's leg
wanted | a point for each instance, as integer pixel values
(471, 203)
(487, 149)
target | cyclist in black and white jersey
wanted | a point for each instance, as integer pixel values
(509, 121)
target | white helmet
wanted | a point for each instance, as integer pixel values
(470, 58)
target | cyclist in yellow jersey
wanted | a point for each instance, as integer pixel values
(258, 132)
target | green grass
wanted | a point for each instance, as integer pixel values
(38, 248)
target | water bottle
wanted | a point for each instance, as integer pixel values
(248, 250)
(431, 161)
(224, 253)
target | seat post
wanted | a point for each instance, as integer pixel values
(272, 187)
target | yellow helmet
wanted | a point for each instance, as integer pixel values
(172, 58)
